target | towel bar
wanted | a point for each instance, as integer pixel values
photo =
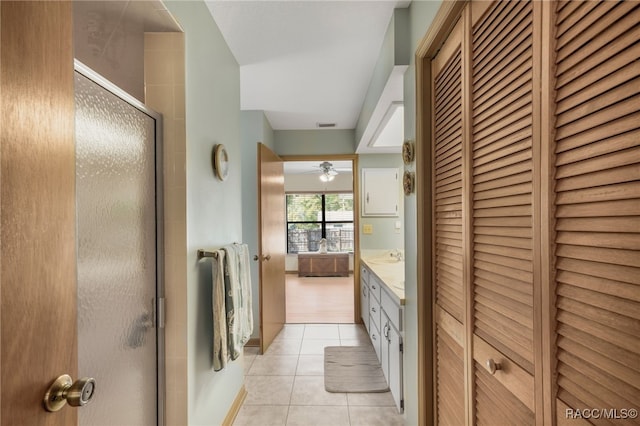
(204, 253)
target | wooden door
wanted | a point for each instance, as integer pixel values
(37, 203)
(503, 201)
(272, 245)
(597, 135)
(449, 291)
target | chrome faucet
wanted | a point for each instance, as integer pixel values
(397, 254)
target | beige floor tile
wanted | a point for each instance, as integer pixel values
(284, 347)
(251, 350)
(274, 365)
(309, 390)
(354, 342)
(310, 365)
(321, 331)
(290, 331)
(379, 399)
(318, 416)
(375, 416)
(262, 415)
(316, 346)
(248, 362)
(352, 331)
(268, 390)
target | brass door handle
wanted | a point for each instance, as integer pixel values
(267, 257)
(64, 390)
(493, 366)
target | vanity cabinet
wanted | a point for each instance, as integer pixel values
(385, 321)
(380, 192)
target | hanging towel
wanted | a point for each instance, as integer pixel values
(220, 337)
(246, 326)
(238, 297)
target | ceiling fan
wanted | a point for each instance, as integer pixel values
(328, 171)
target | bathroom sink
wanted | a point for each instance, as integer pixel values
(383, 261)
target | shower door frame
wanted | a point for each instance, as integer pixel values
(159, 320)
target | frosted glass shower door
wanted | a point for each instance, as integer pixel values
(116, 257)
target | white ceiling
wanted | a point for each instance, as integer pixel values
(305, 62)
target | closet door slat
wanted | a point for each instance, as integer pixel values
(450, 379)
(597, 211)
(448, 196)
(502, 154)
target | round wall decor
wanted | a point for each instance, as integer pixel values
(220, 162)
(409, 182)
(408, 151)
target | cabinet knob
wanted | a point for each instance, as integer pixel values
(493, 366)
(373, 287)
(373, 309)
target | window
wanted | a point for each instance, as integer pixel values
(311, 217)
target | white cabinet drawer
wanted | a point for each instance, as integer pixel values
(376, 338)
(374, 310)
(393, 310)
(374, 287)
(364, 274)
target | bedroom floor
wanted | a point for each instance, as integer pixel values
(285, 386)
(313, 300)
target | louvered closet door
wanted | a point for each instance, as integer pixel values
(598, 207)
(502, 126)
(447, 167)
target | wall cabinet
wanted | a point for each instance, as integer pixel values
(380, 192)
(534, 190)
(385, 331)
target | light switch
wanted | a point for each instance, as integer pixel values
(367, 228)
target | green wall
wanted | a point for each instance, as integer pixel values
(212, 117)
(314, 142)
(421, 16)
(254, 128)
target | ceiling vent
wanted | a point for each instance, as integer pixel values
(326, 125)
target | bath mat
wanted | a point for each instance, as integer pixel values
(353, 369)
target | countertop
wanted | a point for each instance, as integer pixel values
(389, 271)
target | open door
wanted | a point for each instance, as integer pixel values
(37, 205)
(271, 245)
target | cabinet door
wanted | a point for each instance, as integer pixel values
(364, 303)
(394, 377)
(597, 207)
(502, 206)
(384, 347)
(380, 192)
(447, 202)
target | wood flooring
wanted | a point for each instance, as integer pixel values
(320, 300)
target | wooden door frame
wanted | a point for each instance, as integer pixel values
(356, 222)
(443, 23)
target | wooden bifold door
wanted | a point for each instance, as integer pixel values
(534, 154)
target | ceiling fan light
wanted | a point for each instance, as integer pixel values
(326, 177)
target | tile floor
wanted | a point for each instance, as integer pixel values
(285, 386)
